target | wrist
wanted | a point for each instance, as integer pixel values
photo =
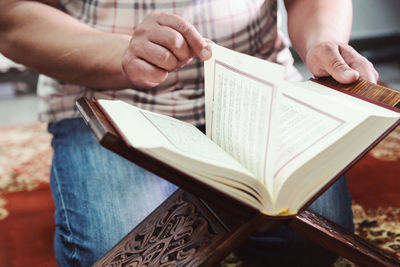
(111, 63)
(323, 38)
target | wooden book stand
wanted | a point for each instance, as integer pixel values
(197, 229)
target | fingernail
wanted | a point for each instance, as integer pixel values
(206, 53)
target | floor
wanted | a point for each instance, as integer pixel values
(18, 110)
(22, 108)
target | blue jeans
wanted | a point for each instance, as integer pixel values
(283, 247)
(100, 197)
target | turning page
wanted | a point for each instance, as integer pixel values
(241, 99)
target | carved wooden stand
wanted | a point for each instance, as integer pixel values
(195, 229)
(184, 231)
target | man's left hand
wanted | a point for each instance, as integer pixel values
(341, 62)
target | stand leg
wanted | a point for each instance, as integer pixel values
(186, 231)
(182, 231)
(339, 241)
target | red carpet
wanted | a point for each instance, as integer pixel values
(383, 190)
(375, 188)
(27, 233)
(26, 207)
(375, 180)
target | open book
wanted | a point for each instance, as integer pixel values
(270, 143)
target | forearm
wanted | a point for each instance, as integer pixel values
(60, 46)
(315, 21)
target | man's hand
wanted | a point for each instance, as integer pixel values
(320, 31)
(161, 43)
(341, 62)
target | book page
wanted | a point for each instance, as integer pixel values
(323, 131)
(240, 106)
(242, 110)
(190, 140)
(300, 127)
(307, 126)
(234, 179)
(145, 129)
(330, 162)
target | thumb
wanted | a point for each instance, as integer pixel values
(348, 76)
(339, 69)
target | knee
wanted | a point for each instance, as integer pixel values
(83, 243)
(283, 247)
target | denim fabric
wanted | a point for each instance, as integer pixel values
(100, 197)
(283, 247)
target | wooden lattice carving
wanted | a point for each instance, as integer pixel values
(170, 236)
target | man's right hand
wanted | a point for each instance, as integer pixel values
(161, 43)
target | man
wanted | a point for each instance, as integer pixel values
(102, 48)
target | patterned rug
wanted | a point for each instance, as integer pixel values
(25, 156)
(26, 208)
(374, 184)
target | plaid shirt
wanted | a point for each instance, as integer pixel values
(248, 26)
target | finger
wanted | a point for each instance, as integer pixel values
(335, 65)
(157, 55)
(359, 63)
(376, 74)
(196, 42)
(172, 40)
(142, 73)
(366, 70)
(183, 63)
